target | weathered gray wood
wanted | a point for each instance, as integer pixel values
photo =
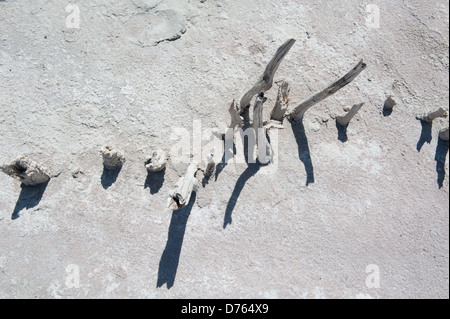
(258, 113)
(265, 82)
(390, 102)
(282, 103)
(298, 113)
(430, 116)
(26, 171)
(263, 145)
(236, 119)
(344, 120)
(180, 196)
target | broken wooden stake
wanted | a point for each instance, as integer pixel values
(236, 119)
(157, 162)
(262, 144)
(390, 102)
(112, 158)
(282, 103)
(430, 116)
(258, 113)
(344, 120)
(265, 81)
(180, 196)
(210, 166)
(26, 171)
(298, 113)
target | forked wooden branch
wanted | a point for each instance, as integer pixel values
(298, 113)
(430, 116)
(344, 120)
(265, 82)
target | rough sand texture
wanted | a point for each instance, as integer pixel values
(135, 70)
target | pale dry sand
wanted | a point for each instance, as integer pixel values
(137, 70)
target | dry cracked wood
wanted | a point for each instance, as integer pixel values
(157, 162)
(258, 113)
(26, 171)
(430, 116)
(279, 110)
(282, 103)
(236, 119)
(298, 113)
(344, 120)
(180, 196)
(263, 145)
(265, 82)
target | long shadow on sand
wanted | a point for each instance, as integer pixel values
(251, 170)
(170, 258)
(425, 135)
(440, 156)
(29, 197)
(109, 176)
(154, 181)
(303, 150)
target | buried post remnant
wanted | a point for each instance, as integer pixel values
(344, 120)
(112, 158)
(26, 171)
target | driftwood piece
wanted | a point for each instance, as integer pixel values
(263, 145)
(273, 124)
(180, 196)
(157, 162)
(444, 134)
(279, 110)
(210, 166)
(430, 116)
(26, 171)
(112, 158)
(298, 113)
(390, 102)
(236, 119)
(344, 120)
(265, 81)
(258, 113)
(282, 103)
